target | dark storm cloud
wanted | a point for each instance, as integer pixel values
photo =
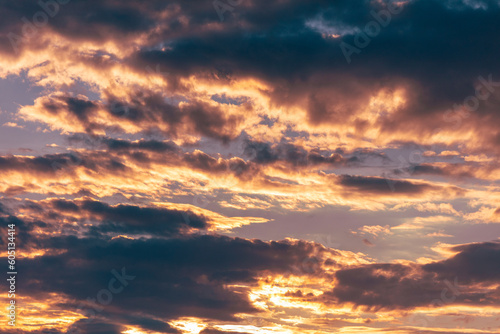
(114, 325)
(132, 219)
(258, 153)
(284, 45)
(261, 152)
(302, 50)
(384, 286)
(65, 206)
(403, 49)
(433, 50)
(236, 166)
(475, 263)
(151, 324)
(144, 145)
(425, 169)
(24, 236)
(96, 219)
(111, 161)
(265, 153)
(170, 154)
(299, 63)
(216, 331)
(149, 111)
(174, 277)
(120, 157)
(211, 122)
(56, 166)
(143, 151)
(382, 185)
(105, 20)
(20, 331)
(460, 279)
(47, 164)
(123, 218)
(96, 327)
(110, 19)
(464, 170)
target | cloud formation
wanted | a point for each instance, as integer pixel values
(251, 173)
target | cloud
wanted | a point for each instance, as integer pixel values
(256, 115)
(381, 185)
(130, 219)
(474, 263)
(264, 153)
(458, 278)
(144, 112)
(174, 277)
(216, 331)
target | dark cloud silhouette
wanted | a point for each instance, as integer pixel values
(216, 331)
(141, 145)
(264, 153)
(101, 218)
(174, 75)
(24, 235)
(131, 219)
(382, 185)
(148, 110)
(95, 327)
(474, 263)
(399, 286)
(48, 164)
(290, 52)
(457, 171)
(173, 277)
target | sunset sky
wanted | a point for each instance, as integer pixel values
(251, 166)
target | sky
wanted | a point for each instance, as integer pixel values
(250, 166)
